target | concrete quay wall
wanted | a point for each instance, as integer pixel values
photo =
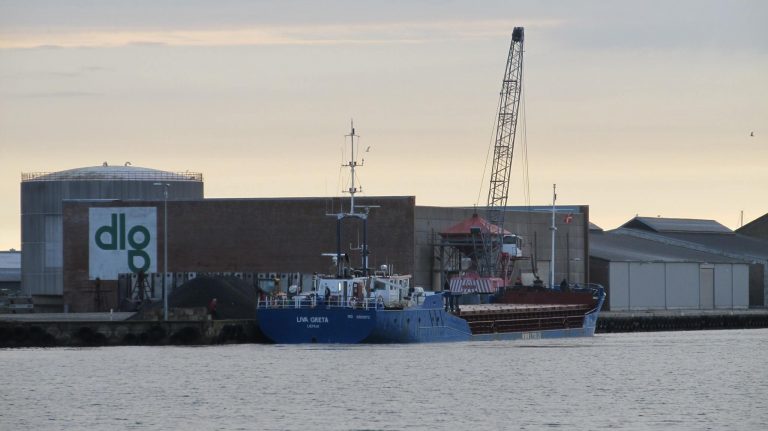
(609, 322)
(126, 333)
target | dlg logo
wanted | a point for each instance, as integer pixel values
(121, 240)
(114, 236)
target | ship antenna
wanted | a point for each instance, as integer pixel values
(352, 164)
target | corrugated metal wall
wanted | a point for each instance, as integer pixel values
(682, 285)
(41, 223)
(678, 285)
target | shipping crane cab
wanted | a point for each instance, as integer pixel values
(512, 245)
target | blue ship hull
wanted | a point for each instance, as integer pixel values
(431, 324)
(426, 323)
(320, 324)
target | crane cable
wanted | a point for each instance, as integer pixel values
(526, 177)
(491, 141)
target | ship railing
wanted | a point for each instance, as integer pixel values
(313, 301)
(587, 287)
(597, 291)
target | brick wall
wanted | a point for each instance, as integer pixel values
(246, 235)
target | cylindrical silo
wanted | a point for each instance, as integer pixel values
(42, 194)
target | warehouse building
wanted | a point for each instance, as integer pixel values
(703, 241)
(641, 274)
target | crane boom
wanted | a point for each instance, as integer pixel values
(506, 126)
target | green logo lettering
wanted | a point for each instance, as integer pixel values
(111, 232)
(114, 237)
(144, 239)
(132, 255)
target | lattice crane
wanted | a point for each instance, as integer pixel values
(506, 126)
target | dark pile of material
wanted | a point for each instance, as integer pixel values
(236, 299)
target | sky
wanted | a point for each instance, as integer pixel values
(631, 107)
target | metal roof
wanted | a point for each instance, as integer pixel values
(733, 244)
(465, 227)
(560, 209)
(106, 172)
(658, 224)
(615, 247)
(762, 219)
(10, 259)
(757, 228)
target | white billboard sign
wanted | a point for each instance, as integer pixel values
(121, 240)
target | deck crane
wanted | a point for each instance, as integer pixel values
(506, 126)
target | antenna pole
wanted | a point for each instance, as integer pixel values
(352, 164)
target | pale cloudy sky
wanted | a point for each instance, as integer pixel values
(641, 107)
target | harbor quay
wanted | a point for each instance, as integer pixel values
(680, 320)
(95, 329)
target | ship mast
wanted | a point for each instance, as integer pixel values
(352, 164)
(553, 228)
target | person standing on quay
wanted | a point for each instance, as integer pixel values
(212, 309)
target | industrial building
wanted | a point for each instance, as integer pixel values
(220, 236)
(270, 236)
(641, 274)
(663, 263)
(42, 232)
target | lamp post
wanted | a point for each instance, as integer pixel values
(165, 247)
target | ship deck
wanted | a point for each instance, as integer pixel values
(485, 309)
(501, 318)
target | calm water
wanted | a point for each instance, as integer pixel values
(674, 380)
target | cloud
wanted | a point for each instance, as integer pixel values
(51, 94)
(328, 34)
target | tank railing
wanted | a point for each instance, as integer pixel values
(313, 301)
(117, 175)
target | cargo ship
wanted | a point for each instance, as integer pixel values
(364, 306)
(384, 309)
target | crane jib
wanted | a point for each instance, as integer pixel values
(498, 191)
